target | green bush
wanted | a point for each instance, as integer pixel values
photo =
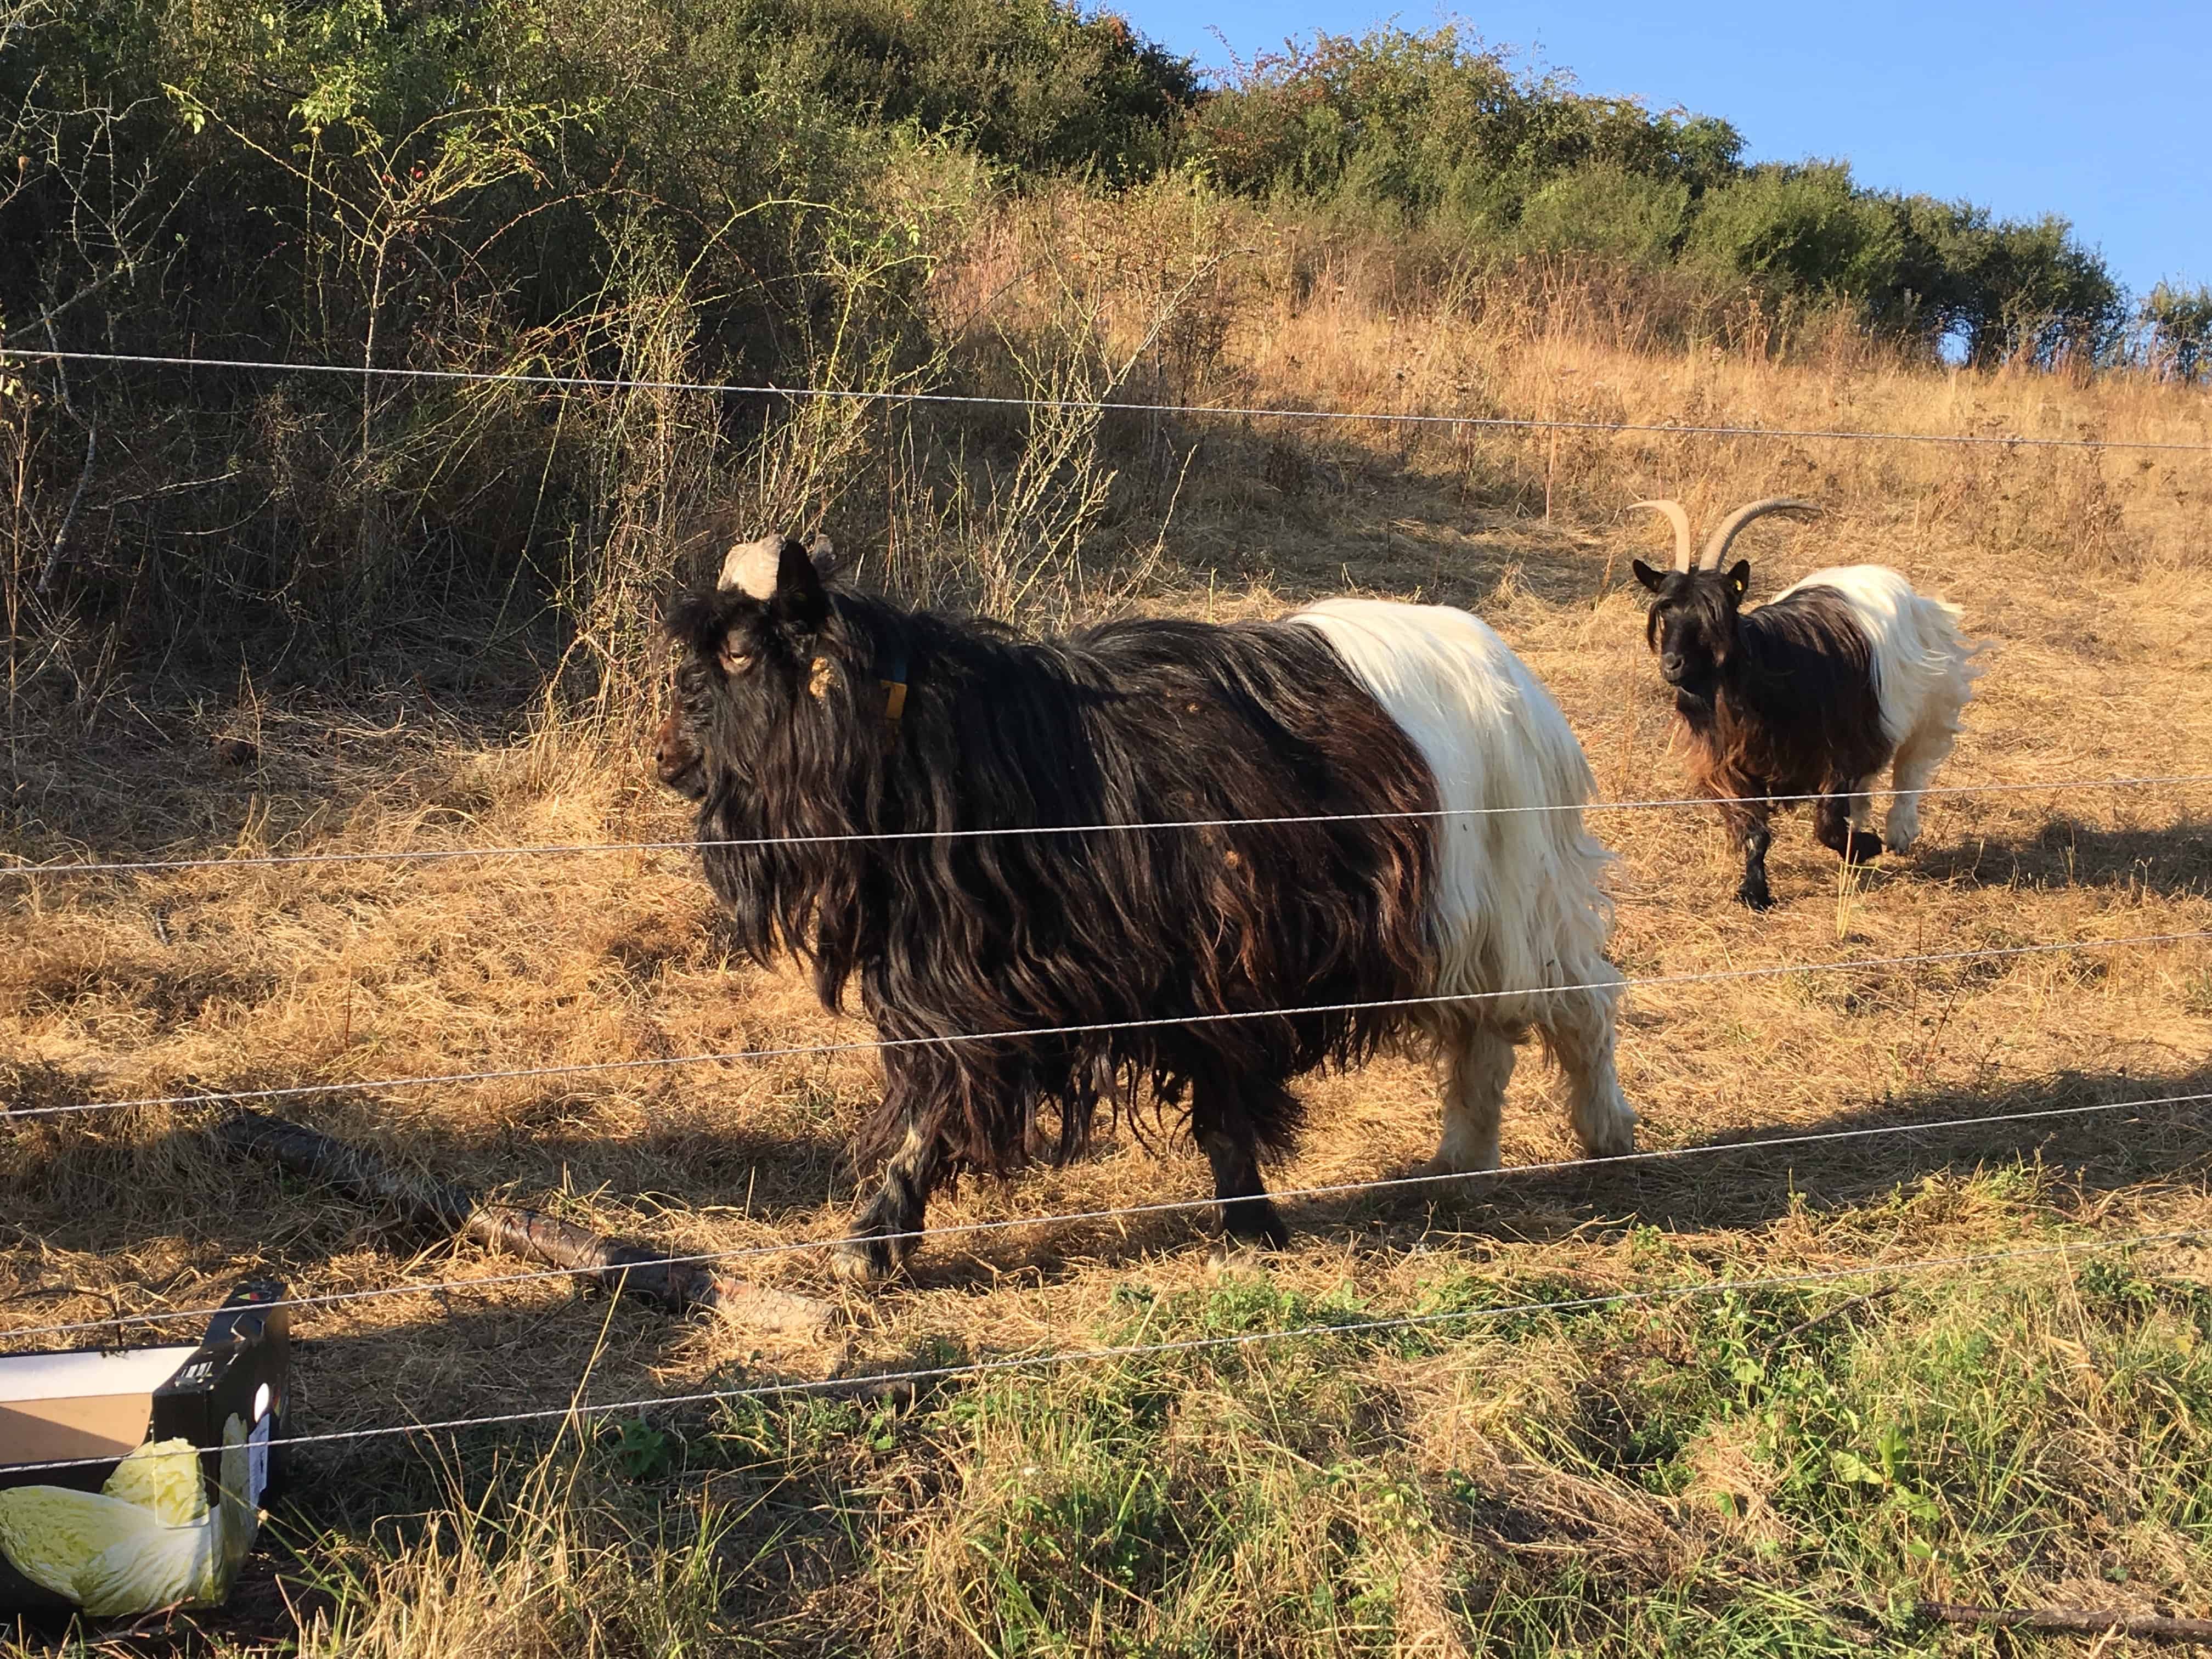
(740, 190)
(1603, 210)
(1423, 125)
(2179, 321)
(2003, 287)
(1808, 228)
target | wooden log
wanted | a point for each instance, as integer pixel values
(2068, 1621)
(679, 1287)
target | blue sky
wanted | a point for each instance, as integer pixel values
(2102, 114)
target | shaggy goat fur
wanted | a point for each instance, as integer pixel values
(1847, 672)
(783, 727)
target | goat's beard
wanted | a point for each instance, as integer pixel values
(688, 780)
(1694, 702)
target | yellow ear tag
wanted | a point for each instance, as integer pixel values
(817, 683)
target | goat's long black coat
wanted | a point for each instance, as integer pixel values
(1782, 701)
(1133, 722)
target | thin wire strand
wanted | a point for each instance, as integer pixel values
(562, 849)
(586, 382)
(295, 1091)
(1166, 1206)
(1202, 1343)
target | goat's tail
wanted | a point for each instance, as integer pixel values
(1939, 651)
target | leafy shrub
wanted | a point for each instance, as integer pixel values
(1603, 210)
(2180, 324)
(1433, 123)
(1806, 226)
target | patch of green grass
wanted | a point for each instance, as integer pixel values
(1974, 1435)
(1768, 1469)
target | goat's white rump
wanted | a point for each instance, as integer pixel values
(1520, 906)
(1923, 674)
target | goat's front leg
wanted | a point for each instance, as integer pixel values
(1753, 891)
(884, 1228)
(1748, 817)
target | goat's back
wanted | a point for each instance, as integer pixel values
(1520, 902)
(1916, 649)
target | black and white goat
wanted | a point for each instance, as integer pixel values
(1420, 836)
(1847, 672)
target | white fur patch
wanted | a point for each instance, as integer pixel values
(1521, 905)
(751, 567)
(1923, 672)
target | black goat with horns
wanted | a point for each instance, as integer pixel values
(1813, 693)
(844, 753)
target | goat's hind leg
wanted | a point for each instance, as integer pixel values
(1843, 822)
(1579, 1028)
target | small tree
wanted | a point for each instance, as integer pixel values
(2179, 321)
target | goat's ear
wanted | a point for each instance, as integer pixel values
(1654, 579)
(799, 602)
(687, 620)
(1738, 579)
(827, 561)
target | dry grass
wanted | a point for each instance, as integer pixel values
(1438, 1495)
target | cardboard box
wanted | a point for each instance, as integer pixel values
(180, 1439)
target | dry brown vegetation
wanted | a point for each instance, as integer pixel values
(1472, 1489)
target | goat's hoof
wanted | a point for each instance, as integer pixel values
(1754, 898)
(1864, 848)
(1231, 1254)
(1255, 1225)
(863, 1263)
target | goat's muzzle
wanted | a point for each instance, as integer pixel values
(676, 759)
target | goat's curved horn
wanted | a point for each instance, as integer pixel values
(1680, 520)
(751, 567)
(1717, 544)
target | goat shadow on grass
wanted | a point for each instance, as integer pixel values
(1854, 1156)
(113, 1192)
(2137, 1138)
(1758, 1176)
(2172, 861)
